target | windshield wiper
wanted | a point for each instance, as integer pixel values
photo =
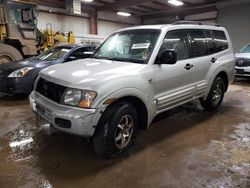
(121, 59)
(111, 58)
(117, 59)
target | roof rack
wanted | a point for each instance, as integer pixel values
(195, 23)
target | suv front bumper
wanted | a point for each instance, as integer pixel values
(67, 119)
(242, 71)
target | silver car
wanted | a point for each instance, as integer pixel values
(242, 65)
(136, 74)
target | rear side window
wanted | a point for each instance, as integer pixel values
(198, 41)
(177, 40)
(210, 42)
(220, 40)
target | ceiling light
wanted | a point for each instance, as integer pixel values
(88, 1)
(123, 14)
(175, 2)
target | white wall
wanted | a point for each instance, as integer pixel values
(208, 16)
(112, 16)
(237, 22)
(162, 20)
(64, 23)
(80, 25)
(105, 28)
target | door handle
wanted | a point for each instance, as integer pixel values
(188, 66)
(213, 60)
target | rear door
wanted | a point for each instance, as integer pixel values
(202, 46)
(207, 48)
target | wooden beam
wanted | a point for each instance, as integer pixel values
(54, 3)
(181, 12)
(122, 4)
(133, 11)
(93, 21)
(147, 7)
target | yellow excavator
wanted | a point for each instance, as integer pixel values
(19, 36)
(49, 38)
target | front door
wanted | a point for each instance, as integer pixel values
(174, 83)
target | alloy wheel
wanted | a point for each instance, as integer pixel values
(124, 131)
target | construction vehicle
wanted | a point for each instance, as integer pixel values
(19, 36)
(49, 38)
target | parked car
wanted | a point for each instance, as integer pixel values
(18, 77)
(136, 74)
(242, 65)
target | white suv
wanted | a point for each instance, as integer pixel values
(136, 74)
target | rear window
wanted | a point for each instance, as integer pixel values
(198, 40)
(220, 40)
(210, 42)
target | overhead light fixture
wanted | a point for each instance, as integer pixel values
(123, 14)
(175, 2)
(88, 1)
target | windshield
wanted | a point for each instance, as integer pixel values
(133, 46)
(53, 54)
(245, 49)
(21, 13)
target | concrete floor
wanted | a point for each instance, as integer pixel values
(185, 147)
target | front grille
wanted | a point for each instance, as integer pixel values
(241, 62)
(50, 90)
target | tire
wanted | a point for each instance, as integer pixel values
(215, 96)
(112, 136)
(9, 53)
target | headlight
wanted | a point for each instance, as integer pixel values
(79, 98)
(20, 73)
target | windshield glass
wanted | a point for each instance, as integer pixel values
(245, 49)
(21, 13)
(133, 46)
(53, 54)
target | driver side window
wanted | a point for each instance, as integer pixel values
(178, 41)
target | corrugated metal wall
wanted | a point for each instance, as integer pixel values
(237, 22)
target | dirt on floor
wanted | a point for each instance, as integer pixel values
(184, 147)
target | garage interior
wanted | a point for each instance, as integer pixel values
(183, 147)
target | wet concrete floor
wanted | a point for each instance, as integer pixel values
(185, 147)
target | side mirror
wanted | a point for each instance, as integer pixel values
(87, 54)
(168, 57)
(71, 58)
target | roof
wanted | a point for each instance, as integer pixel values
(75, 45)
(177, 26)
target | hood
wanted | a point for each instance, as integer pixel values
(15, 65)
(243, 55)
(89, 73)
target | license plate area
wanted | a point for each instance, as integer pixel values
(44, 112)
(240, 71)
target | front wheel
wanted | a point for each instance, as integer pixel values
(116, 130)
(215, 96)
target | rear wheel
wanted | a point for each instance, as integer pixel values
(215, 96)
(9, 53)
(116, 131)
